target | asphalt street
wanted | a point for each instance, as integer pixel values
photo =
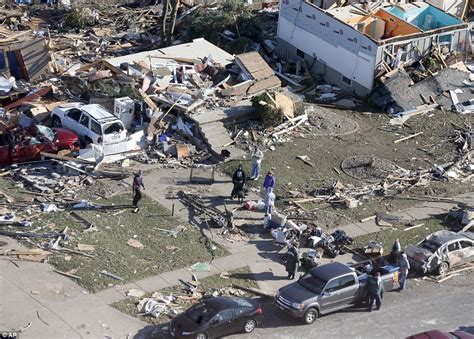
(422, 306)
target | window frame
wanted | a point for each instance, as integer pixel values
(74, 110)
(347, 83)
(86, 118)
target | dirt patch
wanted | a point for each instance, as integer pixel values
(322, 121)
(367, 168)
(374, 138)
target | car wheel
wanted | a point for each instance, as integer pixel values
(201, 336)
(443, 268)
(88, 140)
(310, 316)
(56, 121)
(250, 326)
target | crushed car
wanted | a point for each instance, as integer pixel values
(93, 123)
(18, 144)
(441, 251)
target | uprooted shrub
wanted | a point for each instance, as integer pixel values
(266, 111)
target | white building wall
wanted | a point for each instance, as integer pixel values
(332, 42)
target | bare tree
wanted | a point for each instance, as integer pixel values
(172, 24)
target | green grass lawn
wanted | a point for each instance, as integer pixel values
(388, 236)
(241, 276)
(160, 253)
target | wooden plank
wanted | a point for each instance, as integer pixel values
(255, 291)
(408, 137)
(64, 158)
(68, 275)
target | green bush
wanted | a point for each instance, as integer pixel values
(269, 115)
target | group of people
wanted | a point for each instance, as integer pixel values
(375, 288)
(239, 178)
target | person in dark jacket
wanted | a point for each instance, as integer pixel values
(375, 290)
(239, 181)
(136, 190)
(268, 184)
(396, 249)
(292, 262)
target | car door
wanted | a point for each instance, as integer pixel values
(330, 295)
(467, 250)
(71, 119)
(221, 323)
(454, 254)
(84, 126)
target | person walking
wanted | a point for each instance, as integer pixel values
(257, 157)
(238, 180)
(136, 190)
(268, 185)
(375, 291)
(404, 268)
(292, 262)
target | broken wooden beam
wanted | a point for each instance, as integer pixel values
(255, 291)
(68, 275)
(408, 137)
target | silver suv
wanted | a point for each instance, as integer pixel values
(93, 123)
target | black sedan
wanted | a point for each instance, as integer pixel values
(217, 317)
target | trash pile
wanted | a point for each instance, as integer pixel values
(159, 304)
(437, 80)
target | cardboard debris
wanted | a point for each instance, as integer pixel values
(85, 247)
(135, 293)
(135, 243)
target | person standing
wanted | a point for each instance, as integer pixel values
(136, 190)
(292, 262)
(268, 185)
(375, 291)
(404, 268)
(257, 157)
(239, 181)
(270, 203)
(396, 249)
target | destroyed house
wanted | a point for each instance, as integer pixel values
(25, 60)
(348, 46)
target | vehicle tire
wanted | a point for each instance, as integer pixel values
(310, 316)
(249, 326)
(56, 121)
(443, 268)
(88, 140)
(201, 336)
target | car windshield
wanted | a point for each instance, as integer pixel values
(430, 245)
(46, 132)
(201, 313)
(312, 283)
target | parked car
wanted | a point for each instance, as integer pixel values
(328, 288)
(441, 251)
(438, 334)
(217, 317)
(93, 123)
(18, 144)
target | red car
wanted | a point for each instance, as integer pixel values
(19, 144)
(438, 334)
